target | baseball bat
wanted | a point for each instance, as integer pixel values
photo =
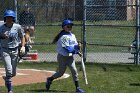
(83, 68)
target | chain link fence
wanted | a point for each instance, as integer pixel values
(110, 30)
(106, 28)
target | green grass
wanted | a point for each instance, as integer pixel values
(94, 34)
(102, 78)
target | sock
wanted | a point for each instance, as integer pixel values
(9, 86)
(76, 84)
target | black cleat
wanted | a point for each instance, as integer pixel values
(48, 83)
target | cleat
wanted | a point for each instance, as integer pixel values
(79, 90)
(48, 83)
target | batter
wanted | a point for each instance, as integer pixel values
(67, 46)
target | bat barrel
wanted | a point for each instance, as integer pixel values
(84, 71)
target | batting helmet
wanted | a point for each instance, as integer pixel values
(67, 22)
(10, 13)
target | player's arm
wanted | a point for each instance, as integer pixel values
(23, 41)
(21, 36)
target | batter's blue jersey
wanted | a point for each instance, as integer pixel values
(14, 33)
(65, 41)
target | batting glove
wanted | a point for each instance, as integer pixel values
(22, 50)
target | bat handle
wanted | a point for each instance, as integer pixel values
(80, 54)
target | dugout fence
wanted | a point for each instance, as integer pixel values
(106, 28)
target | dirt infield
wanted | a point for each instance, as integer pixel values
(28, 76)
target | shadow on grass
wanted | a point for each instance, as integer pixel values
(134, 84)
(44, 90)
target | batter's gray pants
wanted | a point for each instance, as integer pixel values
(65, 61)
(10, 58)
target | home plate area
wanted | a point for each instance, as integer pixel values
(28, 76)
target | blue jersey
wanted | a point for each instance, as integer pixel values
(66, 40)
(14, 34)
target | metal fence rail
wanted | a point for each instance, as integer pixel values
(106, 28)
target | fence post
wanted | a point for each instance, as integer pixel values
(15, 8)
(137, 31)
(84, 30)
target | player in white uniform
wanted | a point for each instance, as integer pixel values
(11, 34)
(67, 46)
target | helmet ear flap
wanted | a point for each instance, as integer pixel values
(14, 20)
(4, 19)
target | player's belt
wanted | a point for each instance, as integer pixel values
(13, 49)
